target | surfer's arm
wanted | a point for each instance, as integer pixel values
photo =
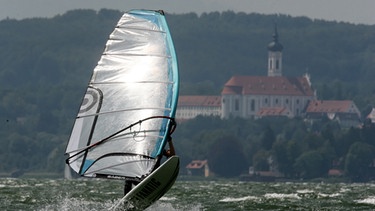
(171, 148)
(170, 152)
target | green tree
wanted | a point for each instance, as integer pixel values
(293, 150)
(345, 140)
(280, 155)
(267, 138)
(260, 161)
(358, 162)
(368, 132)
(313, 141)
(310, 165)
(226, 157)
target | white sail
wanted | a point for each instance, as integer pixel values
(128, 110)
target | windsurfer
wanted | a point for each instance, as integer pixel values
(129, 184)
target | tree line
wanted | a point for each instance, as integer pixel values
(294, 147)
(45, 65)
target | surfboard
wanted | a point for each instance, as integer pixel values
(152, 188)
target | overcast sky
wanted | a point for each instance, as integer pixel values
(354, 11)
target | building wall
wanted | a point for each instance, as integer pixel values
(247, 106)
(231, 106)
(190, 112)
(274, 63)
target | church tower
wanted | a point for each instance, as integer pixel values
(275, 56)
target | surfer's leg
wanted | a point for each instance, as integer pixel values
(127, 187)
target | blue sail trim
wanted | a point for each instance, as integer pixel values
(172, 98)
(86, 165)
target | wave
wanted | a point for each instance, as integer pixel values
(369, 200)
(333, 195)
(162, 206)
(246, 198)
(282, 196)
(67, 204)
(164, 198)
(305, 191)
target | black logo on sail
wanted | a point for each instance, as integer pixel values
(92, 99)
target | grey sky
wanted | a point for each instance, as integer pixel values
(354, 11)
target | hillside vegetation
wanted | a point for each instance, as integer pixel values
(45, 65)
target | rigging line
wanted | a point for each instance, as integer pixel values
(132, 109)
(173, 122)
(140, 29)
(145, 158)
(71, 161)
(135, 82)
(123, 136)
(120, 164)
(107, 53)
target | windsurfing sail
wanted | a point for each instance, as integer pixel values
(127, 114)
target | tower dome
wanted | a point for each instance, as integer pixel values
(275, 56)
(275, 45)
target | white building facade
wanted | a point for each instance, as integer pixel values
(247, 96)
(190, 106)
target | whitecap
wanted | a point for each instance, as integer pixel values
(164, 198)
(305, 191)
(333, 195)
(282, 196)
(344, 190)
(229, 199)
(77, 204)
(369, 200)
(161, 206)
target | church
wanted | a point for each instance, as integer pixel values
(254, 97)
(271, 95)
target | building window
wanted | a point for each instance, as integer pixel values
(252, 105)
(287, 101)
(270, 63)
(297, 101)
(277, 64)
(236, 105)
(266, 100)
(276, 101)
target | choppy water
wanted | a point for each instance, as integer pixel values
(49, 194)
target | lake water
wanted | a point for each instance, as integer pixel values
(85, 194)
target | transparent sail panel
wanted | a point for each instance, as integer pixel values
(126, 112)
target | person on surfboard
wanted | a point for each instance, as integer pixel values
(167, 153)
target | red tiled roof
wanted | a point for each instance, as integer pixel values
(196, 164)
(265, 85)
(268, 174)
(335, 172)
(191, 100)
(330, 106)
(274, 111)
